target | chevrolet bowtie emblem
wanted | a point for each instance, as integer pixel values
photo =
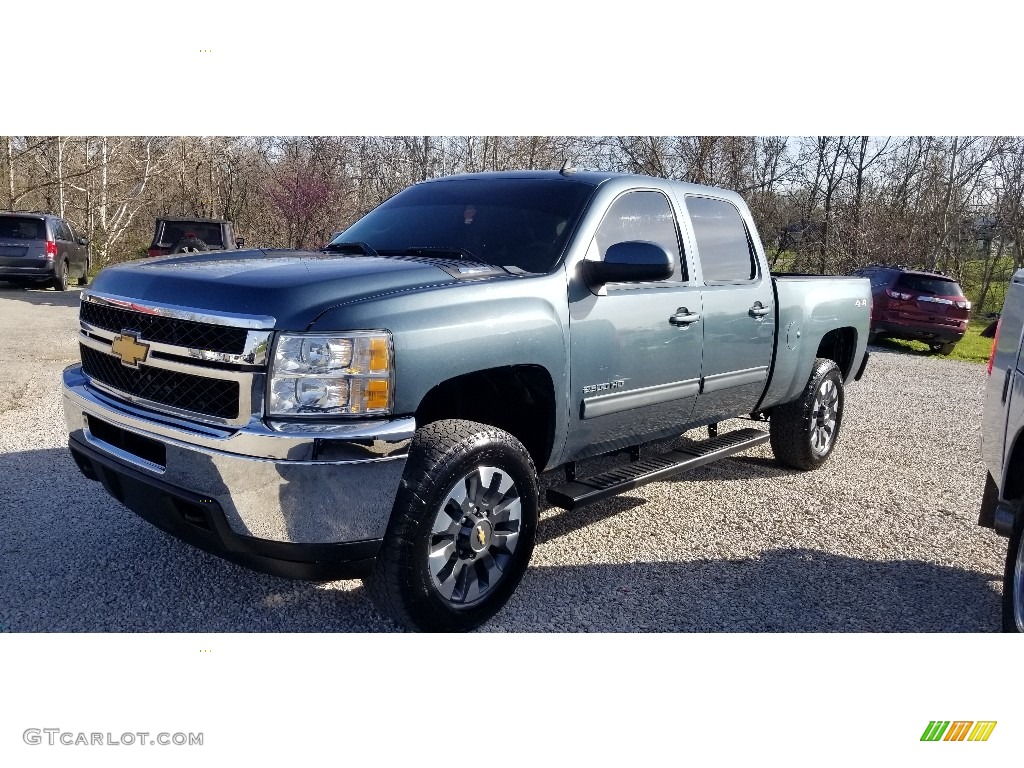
(129, 349)
(480, 535)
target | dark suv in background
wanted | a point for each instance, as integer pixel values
(917, 305)
(41, 248)
(174, 235)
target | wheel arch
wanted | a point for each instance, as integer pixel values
(839, 345)
(1013, 471)
(519, 399)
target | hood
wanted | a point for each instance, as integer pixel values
(293, 287)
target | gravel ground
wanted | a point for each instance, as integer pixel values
(883, 539)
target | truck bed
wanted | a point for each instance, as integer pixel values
(808, 309)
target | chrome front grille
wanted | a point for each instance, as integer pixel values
(167, 330)
(197, 365)
(182, 391)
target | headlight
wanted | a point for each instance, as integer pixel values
(350, 373)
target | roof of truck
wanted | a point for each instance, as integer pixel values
(594, 178)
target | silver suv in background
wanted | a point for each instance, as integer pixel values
(41, 248)
(1002, 449)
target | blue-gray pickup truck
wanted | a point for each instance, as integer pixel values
(381, 409)
(1002, 449)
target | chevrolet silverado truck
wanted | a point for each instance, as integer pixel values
(382, 409)
(1002, 449)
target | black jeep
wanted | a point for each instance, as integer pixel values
(174, 235)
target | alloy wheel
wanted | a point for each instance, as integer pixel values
(474, 535)
(824, 417)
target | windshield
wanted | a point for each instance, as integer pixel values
(521, 224)
(936, 286)
(22, 228)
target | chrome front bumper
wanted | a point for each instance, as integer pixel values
(280, 483)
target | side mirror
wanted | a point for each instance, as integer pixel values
(635, 261)
(240, 242)
(82, 241)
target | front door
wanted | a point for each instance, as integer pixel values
(635, 348)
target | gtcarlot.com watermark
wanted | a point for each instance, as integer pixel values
(56, 737)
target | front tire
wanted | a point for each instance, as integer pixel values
(804, 432)
(462, 529)
(1013, 578)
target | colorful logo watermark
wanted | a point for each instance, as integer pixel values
(958, 730)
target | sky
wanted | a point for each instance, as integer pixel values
(790, 68)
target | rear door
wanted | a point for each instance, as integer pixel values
(67, 248)
(22, 241)
(635, 348)
(739, 310)
(1005, 382)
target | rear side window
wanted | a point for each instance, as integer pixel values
(722, 241)
(641, 216)
(22, 228)
(879, 277)
(934, 286)
(60, 230)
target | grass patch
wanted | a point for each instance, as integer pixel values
(973, 347)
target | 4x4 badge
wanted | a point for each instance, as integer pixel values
(131, 351)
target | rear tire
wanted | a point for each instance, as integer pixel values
(462, 529)
(60, 282)
(84, 279)
(1013, 578)
(804, 432)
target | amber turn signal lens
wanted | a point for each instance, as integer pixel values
(378, 354)
(377, 394)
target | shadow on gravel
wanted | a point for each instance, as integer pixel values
(794, 590)
(42, 296)
(567, 522)
(74, 560)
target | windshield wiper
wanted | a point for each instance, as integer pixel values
(353, 247)
(429, 250)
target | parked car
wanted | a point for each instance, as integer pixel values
(917, 305)
(381, 409)
(1002, 449)
(181, 235)
(40, 248)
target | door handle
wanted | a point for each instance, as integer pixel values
(683, 316)
(758, 310)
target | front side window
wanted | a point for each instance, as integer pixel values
(643, 216)
(722, 241)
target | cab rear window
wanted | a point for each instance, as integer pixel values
(22, 228)
(176, 231)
